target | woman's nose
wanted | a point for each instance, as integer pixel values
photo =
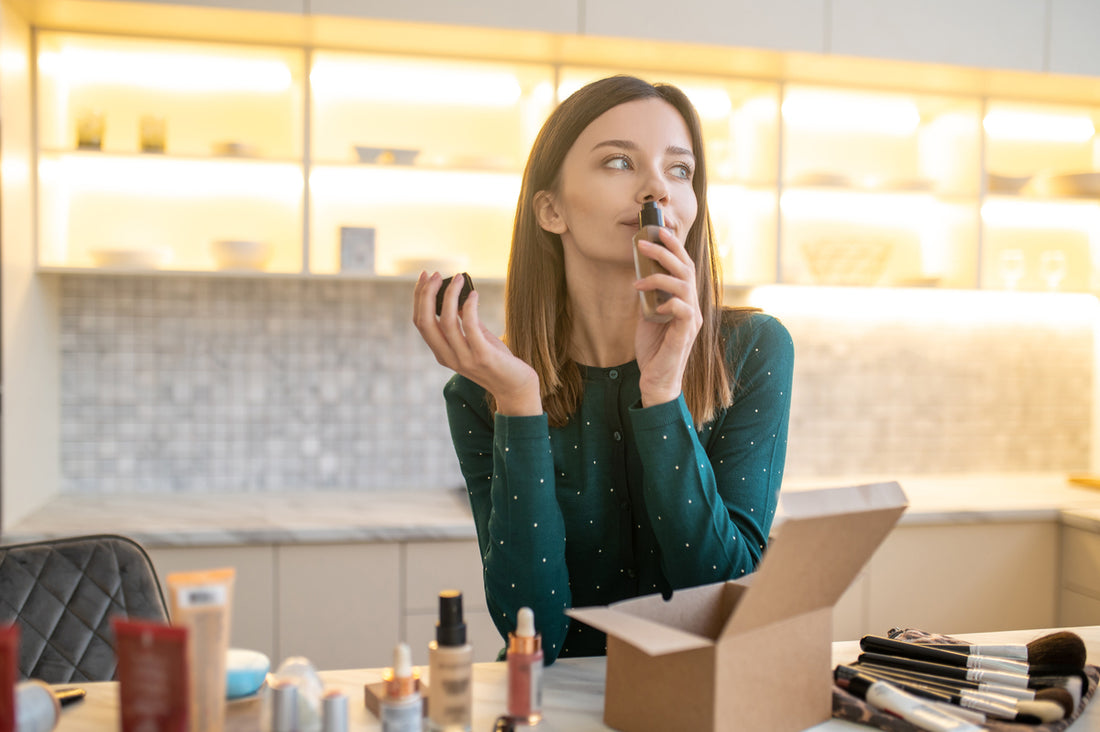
(653, 186)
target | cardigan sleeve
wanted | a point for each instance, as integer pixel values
(509, 472)
(711, 495)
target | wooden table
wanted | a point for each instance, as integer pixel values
(572, 694)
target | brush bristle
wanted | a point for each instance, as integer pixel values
(1063, 649)
(1058, 695)
(1047, 711)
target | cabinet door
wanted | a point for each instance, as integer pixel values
(1081, 561)
(786, 25)
(1073, 25)
(1005, 34)
(557, 17)
(432, 566)
(965, 578)
(252, 618)
(338, 604)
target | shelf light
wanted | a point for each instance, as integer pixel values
(709, 102)
(156, 177)
(850, 113)
(394, 186)
(1018, 214)
(1003, 124)
(412, 84)
(176, 72)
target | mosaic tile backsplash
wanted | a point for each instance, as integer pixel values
(200, 384)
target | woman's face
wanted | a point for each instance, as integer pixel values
(636, 152)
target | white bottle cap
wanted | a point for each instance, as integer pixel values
(525, 624)
(402, 661)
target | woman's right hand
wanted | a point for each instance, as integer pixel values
(462, 343)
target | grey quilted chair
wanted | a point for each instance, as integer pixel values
(62, 593)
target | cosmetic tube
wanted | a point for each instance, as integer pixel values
(9, 674)
(334, 711)
(650, 223)
(883, 695)
(401, 709)
(450, 669)
(525, 670)
(153, 676)
(201, 602)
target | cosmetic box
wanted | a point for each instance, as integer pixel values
(754, 653)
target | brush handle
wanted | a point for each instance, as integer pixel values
(1001, 707)
(879, 644)
(951, 672)
(1015, 652)
(1013, 692)
(883, 695)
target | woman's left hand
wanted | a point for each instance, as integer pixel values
(662, 349)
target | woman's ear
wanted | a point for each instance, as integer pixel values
(547, 214)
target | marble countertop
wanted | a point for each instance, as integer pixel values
(425, 515)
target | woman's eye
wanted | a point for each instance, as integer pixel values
(618, 162)
(681, 170)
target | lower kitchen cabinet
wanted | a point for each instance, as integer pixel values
(965, 578)
(337, 604)
(345, 605)
(252, 616)
(1080, 591)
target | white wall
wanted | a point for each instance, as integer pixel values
(30, 347)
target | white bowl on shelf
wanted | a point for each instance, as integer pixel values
(129, 257)
(241, 254)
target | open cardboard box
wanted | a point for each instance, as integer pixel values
(750, 654)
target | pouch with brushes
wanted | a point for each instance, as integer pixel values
(849, 707)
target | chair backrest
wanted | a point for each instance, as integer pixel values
(62, 593)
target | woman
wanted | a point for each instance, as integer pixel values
(607, 456)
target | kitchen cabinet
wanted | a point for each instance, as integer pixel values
(965, 578)
(788, 25)
(1080, 581)
(559, 17)
(252, 616)
(942, 31)
(1072, 37)
(836, 183)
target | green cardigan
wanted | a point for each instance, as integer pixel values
(624, 500)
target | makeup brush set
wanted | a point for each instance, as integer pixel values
(910, 679)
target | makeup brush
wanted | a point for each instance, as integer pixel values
(994, 707)
(1053, 696)
(1055, 692)
(915, 710)
(946, 670)
(1062, 649)
(880, 644)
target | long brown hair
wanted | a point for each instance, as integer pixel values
(538, 326)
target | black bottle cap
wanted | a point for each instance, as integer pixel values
(651, 215)
(450, 630)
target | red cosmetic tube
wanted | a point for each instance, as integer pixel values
(9, 674)
(153, 678)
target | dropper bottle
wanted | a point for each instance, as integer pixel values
(525, 670)
(401, 709)
(650, 223)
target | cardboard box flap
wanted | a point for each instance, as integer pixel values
(647, 635)
(824, 541)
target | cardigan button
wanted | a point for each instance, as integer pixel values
(618, 436)
(613, 373)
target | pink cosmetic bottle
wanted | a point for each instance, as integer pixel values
(650, 222)
(525, 670)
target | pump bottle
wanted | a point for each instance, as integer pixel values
(450, 669)
(650, 222)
